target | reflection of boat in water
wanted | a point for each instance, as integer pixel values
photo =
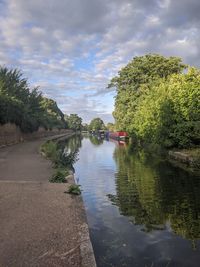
(118, 142)
(99, 133)
(118, 138)
(120, 135)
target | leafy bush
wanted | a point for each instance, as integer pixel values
(170, 113)
(50, 150)
(74, 189)
(59, 176)
(55, 151)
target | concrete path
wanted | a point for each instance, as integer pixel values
(39, 224)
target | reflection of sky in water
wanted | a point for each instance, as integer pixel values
(116, 240)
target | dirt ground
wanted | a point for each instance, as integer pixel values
(40, 225)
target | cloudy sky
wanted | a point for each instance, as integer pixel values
(71, 48)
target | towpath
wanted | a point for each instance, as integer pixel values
(39, 224)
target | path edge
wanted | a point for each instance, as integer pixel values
(86, 248)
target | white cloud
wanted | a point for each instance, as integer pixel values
(73, 48)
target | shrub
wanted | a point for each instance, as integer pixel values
(74, 189)
(59, 176)
(170, 113)
(50, 150)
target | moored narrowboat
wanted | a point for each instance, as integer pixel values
(119, 135)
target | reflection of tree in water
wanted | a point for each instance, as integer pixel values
(152, 193)
(181, 200)
(96, 140)
(68, 150)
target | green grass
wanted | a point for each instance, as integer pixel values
(74, 189)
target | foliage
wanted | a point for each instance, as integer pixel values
(62, 154)
(145, 70)
(50, 150)
(53, 116)
(74, 122)
(24, 106)
(85, 127)
(156, 102)
(68, 151)
(74, 189)
(59, 176)
(58, 154)
(134, 81)
(96, 124)
(170, 113)
(110, 126)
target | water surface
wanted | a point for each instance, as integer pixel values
(142, 211)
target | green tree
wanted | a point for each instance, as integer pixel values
(135, 80)
(157, 102)
(24, 106)
(96, 124)
(19, 104)
(170, 113)
(85, 127)
(110, 126)
(53, 116)
(74, 122)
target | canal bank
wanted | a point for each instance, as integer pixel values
(40, 225)
(189, 157)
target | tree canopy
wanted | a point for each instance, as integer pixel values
(170, 113)
(110, 126)
(74, 122)
(96, 124)
(27, 107)
(157, 101)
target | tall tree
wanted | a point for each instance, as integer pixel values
(53, 116)
(135, 80)
(74, 122)
(170, 113)
(24, 106)
(110, 126)
(159, 103)
(96, 124)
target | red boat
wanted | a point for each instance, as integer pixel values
(120, 135)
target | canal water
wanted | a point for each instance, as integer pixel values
(142, 211)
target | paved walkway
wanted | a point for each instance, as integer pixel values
(39, 224)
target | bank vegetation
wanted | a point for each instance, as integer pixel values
(158, 101)
(27, 108)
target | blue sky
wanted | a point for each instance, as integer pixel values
(71, 49)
